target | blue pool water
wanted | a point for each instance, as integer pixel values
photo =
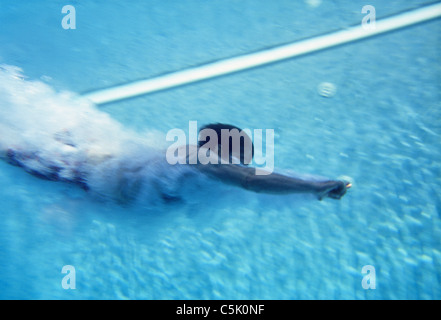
(382, 129)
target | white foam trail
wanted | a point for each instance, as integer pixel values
(49, 133)
(263, 57)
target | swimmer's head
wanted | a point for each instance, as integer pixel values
(236, 144)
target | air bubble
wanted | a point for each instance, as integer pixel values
(327, 89)
(313, 3)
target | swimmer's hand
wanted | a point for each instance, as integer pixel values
(334, 189)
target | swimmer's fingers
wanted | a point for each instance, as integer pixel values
(336, 191)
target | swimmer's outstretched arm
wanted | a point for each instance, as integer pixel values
(274, 183)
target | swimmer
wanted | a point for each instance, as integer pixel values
(69, 169)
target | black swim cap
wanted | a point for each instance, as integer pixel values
(246, 152)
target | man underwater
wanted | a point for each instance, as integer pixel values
(239, 175)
